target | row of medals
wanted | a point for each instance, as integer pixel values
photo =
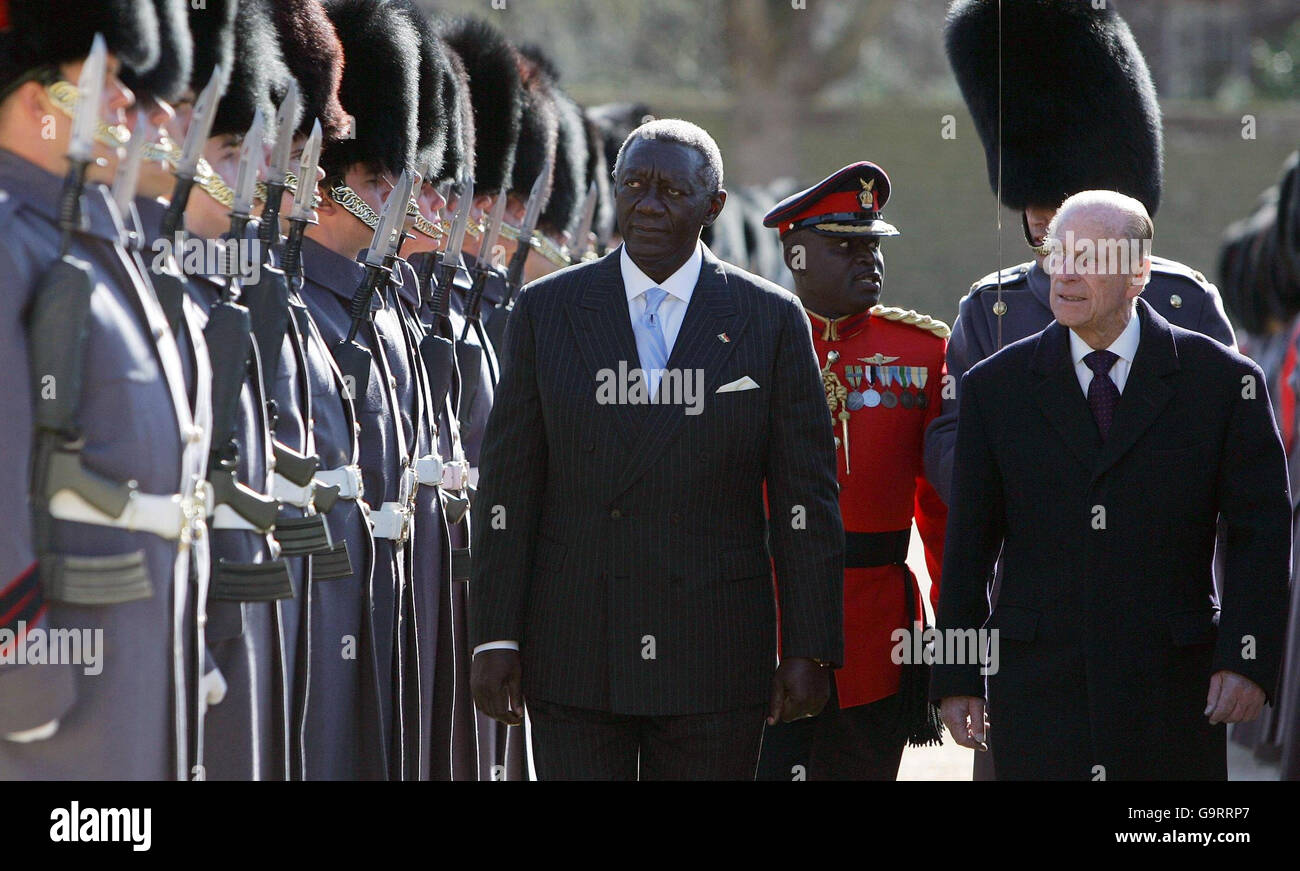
(857, 399)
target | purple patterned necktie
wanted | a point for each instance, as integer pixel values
(1103, 395)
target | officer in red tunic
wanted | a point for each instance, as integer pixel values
(883, 372)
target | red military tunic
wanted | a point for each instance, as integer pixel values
(883, 370)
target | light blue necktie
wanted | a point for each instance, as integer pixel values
(653, 326)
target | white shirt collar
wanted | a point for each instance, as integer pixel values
(1125, 345)
(681, 284)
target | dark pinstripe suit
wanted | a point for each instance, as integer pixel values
(623, 526)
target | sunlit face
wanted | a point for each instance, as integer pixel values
(836, 275)
(1089, 294)
(373, 185)
(430, 203)
(156, 179)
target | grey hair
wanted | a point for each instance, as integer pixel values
(683, 133)
(1136, 221)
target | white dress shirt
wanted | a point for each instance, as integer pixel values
(1125, 347)
(672, 311)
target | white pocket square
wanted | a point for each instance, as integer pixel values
(745, 383)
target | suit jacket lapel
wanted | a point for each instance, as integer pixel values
(603, 331)
(1059, 396)
(1145, 392)
(712, 311)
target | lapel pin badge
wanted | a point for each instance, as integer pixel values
(724, 338)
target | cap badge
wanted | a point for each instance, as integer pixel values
(867, 196)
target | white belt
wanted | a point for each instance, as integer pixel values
(290, 493)
(455, 475)
(164, 516)
(430, 470)
(346, 478)
(390, 520)
(225, 517)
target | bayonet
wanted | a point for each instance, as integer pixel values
(352, 357)
(90, 86)
(303, 202)
(205, 112)
(524, 244)
(250, 164)
(408, 184)
(81, 144)
(448, 260)
(241, 212)
(483, 263)
(285, 119)
(127, 177)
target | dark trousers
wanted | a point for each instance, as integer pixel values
(858, 743)
(580, 744)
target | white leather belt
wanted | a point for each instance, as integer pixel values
(390, 520)
(168, 517)
(290, 493)
(430, 470)
(455, 475)
(346, 478)
(225, 517)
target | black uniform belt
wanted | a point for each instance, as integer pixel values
(865, 550)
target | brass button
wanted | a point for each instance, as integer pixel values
(1175, 300)
(999, 308)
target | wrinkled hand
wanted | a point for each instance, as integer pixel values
(1233, 698)
(800, 688)
(964, 716)
(494, 679)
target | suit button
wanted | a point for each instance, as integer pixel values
(616, 513)
(589, 447)
(674, 518)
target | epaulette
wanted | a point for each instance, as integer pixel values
(1182, 270)
(916, 319)
(1010, 275)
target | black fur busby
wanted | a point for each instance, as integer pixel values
(1078, 106)
(496, 94)
(260, 77)
(569, 182)
(170, 76)
(435, 73)
(1259, 263)
(458, 156)
(616, 122)
(380, 88)
(212, 29)
(538, 129)
(569, 187)
(38, 33)
(314, 55)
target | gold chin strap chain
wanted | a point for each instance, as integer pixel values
(65, 95)
(352, 202)
(422, 224)
(542, 244)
